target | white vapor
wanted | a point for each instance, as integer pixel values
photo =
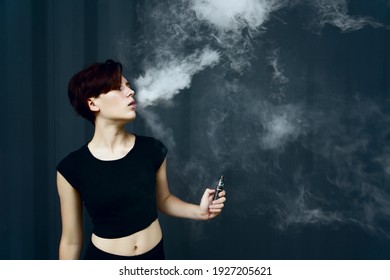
(295, 210)
(230, 26)
(274, 61)
(335, 12)
(234, 24)
(152, 120)
(249, 127)
(281, 125)
(384, 160)
(163, 82)
(232, 15)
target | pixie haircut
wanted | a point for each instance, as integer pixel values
(91, 82)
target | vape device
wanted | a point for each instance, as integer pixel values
(219, 187)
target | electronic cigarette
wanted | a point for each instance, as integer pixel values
(219, 187)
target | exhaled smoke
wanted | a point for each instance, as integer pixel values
(228, 25)
(234, 25)
(168, 78)
(152, 120)
(299, 206)
(281, 125)
(234, 16)
(350, 157)
(384, 160)
(168, 68)
(335, 12)
(242, 128)
(280, 81)
(278, 76)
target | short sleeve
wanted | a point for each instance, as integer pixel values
(68, 168)
(160, 153)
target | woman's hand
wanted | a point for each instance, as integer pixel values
(173, 206)
(210, 208)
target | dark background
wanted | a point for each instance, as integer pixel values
(322, 192)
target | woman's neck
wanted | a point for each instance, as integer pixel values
(110, 138)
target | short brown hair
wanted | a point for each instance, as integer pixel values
(91, 82)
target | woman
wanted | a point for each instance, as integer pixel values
(119, 177)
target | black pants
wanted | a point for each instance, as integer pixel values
(94, 253)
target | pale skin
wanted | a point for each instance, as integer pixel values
(113, 110)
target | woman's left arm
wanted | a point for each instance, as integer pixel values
(170, 205)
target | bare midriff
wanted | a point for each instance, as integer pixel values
(131, 245)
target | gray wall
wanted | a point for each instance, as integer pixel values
(322, 194)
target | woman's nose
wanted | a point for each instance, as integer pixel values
(130, 92)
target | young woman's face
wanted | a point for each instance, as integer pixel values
(118, 104)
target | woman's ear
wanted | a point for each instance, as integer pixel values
(92, 104)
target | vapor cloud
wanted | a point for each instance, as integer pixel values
(335, 13)
(243, 127)
(278, 76)
(225, 30)
(234, 16)
(163, 82)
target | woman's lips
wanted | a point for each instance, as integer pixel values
(132, 104)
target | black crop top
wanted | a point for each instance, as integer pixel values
(119, 195)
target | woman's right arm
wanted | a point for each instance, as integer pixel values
(72, 220)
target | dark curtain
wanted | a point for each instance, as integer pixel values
(322, 192)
